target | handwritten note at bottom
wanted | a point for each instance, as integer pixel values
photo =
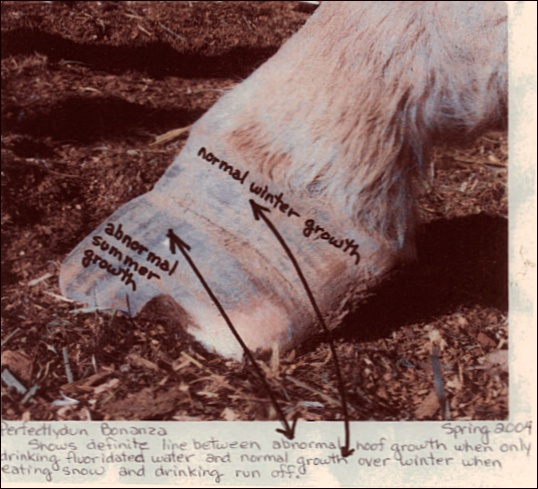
(208, 454)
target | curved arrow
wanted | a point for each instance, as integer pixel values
(260, 213)
(184, 248)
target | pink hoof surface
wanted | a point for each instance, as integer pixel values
(327, 136)
(129, 259)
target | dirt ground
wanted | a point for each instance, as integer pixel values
(87, 88)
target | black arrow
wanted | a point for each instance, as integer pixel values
(260, 212)
(177, 242)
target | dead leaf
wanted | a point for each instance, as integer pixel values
(437, 339)
(498, 358)
(428, 407)
(86, 385)
(229, 414)
(106, 386)
(454, 385)
(19, 364)
(148, 403)
(139, 361)
(486, 341)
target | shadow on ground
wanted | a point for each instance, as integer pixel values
(449, 273)
(84, 120)
(155, 59)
